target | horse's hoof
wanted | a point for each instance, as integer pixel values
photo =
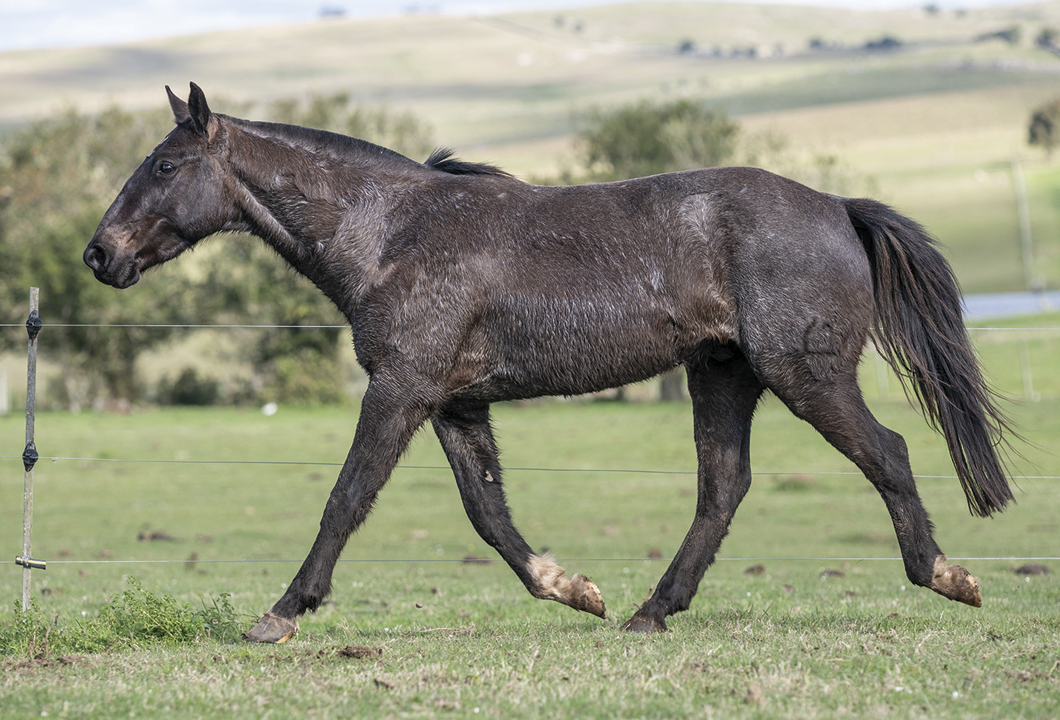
(642, 624)
(272, 629)
(585, 596)
(956, 583)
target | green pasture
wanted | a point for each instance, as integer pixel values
(231, 498)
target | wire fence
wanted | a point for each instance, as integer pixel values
(605, 471)
(1028, 387)
(1025, 385)
(488, 560)
(446, 468)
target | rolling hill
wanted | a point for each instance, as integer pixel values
(925, 110)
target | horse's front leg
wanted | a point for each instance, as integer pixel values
(389, 418)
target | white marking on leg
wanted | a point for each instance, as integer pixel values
(550, 579)
(551, 583)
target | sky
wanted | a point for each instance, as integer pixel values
(32, 24)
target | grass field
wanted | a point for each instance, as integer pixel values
(604, 485)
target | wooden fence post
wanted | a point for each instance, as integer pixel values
(29, 455)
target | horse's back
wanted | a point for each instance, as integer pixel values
(754, 256)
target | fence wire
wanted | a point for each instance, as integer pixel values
(55, 459)
(446, 468)
(484, 560)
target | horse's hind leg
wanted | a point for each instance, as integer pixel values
(835, 407)
(465, 434)
(724, 395)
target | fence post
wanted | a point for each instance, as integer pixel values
(29, 455)
(1025, 372)
(881, 375)
(1023, 213)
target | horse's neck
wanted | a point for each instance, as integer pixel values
(283, 190)
(312, 207)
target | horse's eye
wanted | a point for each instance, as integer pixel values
(165, 168)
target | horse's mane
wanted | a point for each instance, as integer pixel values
(312, 138)
(442, 159)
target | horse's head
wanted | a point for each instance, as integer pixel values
(173, 200)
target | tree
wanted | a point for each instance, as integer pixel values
(295, 356)
(647, 138)
(1010, 35)
(1047, 39)
(1044, 128)
(57, 178)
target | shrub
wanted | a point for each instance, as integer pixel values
(188, 389)
(133, 617)
(1043, 129)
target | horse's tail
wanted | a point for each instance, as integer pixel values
(920, 332)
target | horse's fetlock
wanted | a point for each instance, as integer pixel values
(550, 582)
(311, 603)
(920, 576)
(679, 604)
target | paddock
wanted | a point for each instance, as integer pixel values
(229, 496)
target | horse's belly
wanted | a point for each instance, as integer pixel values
(569, 353)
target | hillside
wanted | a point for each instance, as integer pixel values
(930, 124)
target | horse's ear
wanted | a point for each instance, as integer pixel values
(205, 123)
(180, 108)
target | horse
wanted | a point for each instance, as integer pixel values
(464, 286)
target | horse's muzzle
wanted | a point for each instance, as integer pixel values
(107, 270)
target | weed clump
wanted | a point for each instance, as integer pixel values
(133, 618)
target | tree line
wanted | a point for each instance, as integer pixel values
(57, 178)
(59, 175)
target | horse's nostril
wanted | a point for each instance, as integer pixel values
(95, 257)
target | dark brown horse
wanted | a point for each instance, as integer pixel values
(465, 286)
